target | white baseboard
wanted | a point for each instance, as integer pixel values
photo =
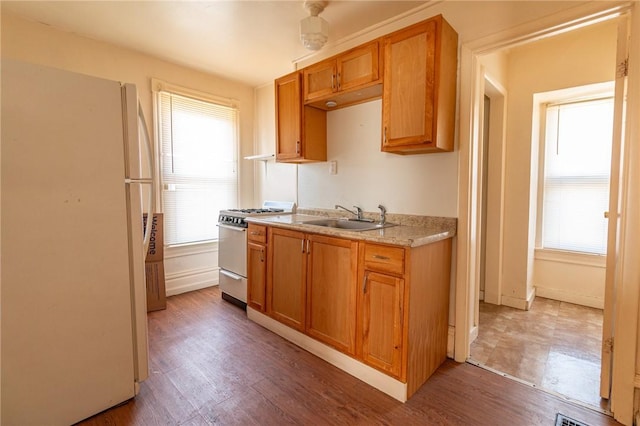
(515, 302)
(190, 280)
(570, 297)
(392, 387)
(451, 339)
(473, 334)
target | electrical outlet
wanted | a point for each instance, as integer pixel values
(333, 167)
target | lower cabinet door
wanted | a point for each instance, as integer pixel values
(331, 291)
(382, 312)
(286, 290)
(257, 276)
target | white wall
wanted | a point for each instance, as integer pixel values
(424, 184)
(578, 58)
(186, 268)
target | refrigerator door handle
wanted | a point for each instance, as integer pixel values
(152, 192)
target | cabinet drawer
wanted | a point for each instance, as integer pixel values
(384, 259)
(257, 233)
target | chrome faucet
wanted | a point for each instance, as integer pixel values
(383, 214)
(357, 213)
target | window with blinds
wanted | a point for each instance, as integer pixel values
(577, 162)
(198, 144)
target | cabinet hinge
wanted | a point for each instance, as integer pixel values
(622, 70)
(607, 345)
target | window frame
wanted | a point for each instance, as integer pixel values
(158, 86)
(590, 92)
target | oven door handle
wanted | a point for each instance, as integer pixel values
(231, 275)
(233, 228)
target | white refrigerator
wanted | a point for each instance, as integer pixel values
(73, 296)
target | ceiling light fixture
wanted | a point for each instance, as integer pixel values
(314, 31)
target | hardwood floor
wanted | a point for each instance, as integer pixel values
(555, 346)
(211, 365)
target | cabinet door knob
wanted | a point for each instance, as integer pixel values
(364, 281)
(297, 147)
(377, 256)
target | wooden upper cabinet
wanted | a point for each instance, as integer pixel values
(348, 78)
(419, 89)
(301, 131)
(319, 80)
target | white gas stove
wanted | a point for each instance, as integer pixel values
(232, 247)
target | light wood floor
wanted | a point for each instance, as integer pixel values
(555, 346)
(210, 365)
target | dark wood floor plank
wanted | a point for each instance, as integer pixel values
(210, 365)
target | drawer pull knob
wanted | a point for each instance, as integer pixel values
(377, 256)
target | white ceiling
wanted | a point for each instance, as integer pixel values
(250, 41)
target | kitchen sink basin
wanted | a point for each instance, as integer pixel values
(351, 225)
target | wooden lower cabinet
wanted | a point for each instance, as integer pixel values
(386, 306)
(286, 277)
(381, 307)
(331, 291)
(256, 276)
(403, 309)
(257, 267)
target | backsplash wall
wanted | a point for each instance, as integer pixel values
(422, 184)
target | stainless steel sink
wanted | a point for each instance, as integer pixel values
(351, 225)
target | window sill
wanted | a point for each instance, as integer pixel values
(576, 258)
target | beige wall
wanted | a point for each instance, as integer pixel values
(427, 183)
(423, 184)
(273, 181)
(186, 268)
(578, 58)
(496, 81)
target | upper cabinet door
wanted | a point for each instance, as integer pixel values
(319, 80)
(301, 130)
(338, 78)
(419, 89)
(358, 67)
(288, 117)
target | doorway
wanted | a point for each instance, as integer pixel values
(522, 339)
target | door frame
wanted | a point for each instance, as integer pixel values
(469, 199)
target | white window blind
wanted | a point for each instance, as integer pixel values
(198, 142)
(576, 175)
